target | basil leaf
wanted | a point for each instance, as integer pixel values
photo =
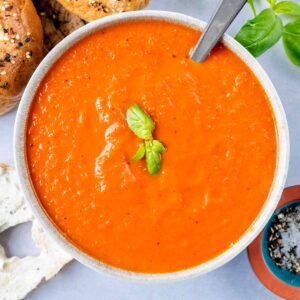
(291, 41)
(158, 146)
(140, 153)
(140, 122)
(260, 33)
(287, 8)
(153, 156)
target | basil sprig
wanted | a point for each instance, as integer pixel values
(265, 29)
(142, 125)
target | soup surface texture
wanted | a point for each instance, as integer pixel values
(214, 118)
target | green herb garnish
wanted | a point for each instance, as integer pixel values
(261, 33)
(265, 29)
(291, 41)
(140, 122)
(142, 125)
(153, 155)
(287, 8)
(140, 153)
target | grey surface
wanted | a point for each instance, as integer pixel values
(235, 280)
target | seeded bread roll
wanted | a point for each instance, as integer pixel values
(21, 48)
(57, 22)
(90, 10)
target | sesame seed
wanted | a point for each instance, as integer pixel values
(13, 62)
(17, 36)
(3, 73)
(28, 54)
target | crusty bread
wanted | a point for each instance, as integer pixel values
(57, 22)
(90, 10)
(21, 48)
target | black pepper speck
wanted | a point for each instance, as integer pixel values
(4, 85)
(7, 57)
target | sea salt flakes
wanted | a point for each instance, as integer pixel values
(284, 239)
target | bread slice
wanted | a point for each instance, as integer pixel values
(57, 22)
(90, 10)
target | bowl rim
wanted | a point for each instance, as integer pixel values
(31, 198)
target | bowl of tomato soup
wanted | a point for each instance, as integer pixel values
(222, 168)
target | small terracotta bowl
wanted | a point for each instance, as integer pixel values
(281, 282)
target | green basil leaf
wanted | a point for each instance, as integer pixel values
(291, 41)
(260, 33)
(153, 156)
(287, 8)
(140, 122)
(158, 147)
(140, 153)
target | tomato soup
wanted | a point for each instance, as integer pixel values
(214, 118)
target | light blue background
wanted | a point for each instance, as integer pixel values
(235, 280)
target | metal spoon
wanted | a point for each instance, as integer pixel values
(225, 13)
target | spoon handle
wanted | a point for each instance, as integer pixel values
(225, 13)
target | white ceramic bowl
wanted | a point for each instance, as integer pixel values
(21, 164)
